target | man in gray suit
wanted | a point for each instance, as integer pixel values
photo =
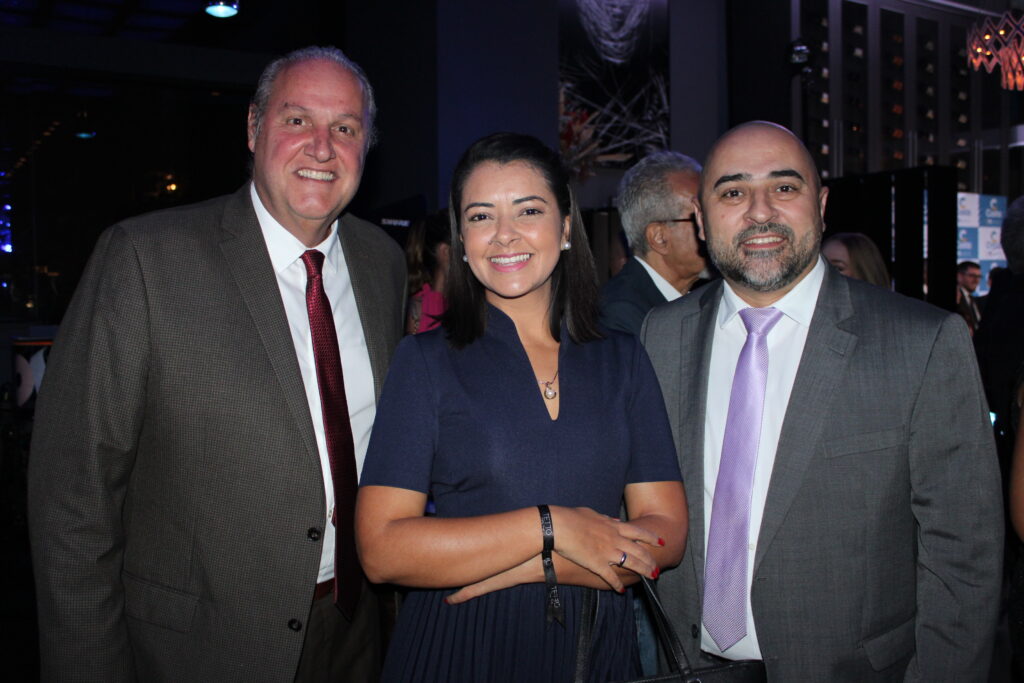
(180, 495)
(845, 514)
(654, 200)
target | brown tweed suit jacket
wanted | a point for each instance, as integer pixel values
(174, 480)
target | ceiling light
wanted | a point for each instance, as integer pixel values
(222, 9)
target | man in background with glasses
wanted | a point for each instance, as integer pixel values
(654, 201)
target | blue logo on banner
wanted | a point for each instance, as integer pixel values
(992, 210)
(967, 243)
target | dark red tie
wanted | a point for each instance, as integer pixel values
(340, 451)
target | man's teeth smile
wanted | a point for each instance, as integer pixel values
(769, 239)
(315, 175)
(509, 260)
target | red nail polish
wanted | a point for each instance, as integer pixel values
(661, 541)
(446, 601)
(622, 590)
(656, 572)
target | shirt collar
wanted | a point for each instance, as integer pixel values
(284, 248)
(664, 286)
(798, 304)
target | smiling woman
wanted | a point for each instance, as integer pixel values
(528, 429)
(514, 233)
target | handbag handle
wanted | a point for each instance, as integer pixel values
(669, 638)
(585, 635)
(588, 618)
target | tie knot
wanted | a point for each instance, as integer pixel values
(760, 321)
(314, 260)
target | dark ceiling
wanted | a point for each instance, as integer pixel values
(261, 25)
(160, 86)
(157, 20)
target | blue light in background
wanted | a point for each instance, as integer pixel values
(6, 243)
(222, 9)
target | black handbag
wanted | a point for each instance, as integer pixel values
(741, 671)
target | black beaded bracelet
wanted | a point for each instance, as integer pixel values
(554, 609)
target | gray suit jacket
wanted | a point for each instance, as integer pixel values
(175, 490)
(879, 557)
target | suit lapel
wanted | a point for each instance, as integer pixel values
(695, 339)
(245, 252)
(826, 352)
(366, 278)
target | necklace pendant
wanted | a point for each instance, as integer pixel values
(549, 392)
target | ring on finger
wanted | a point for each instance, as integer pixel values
(622, 560)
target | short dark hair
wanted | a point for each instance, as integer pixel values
(264, 86)
(574, 279)
(964, 266)
(1012, 237)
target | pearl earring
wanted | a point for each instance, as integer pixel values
(565, 247)
(465, 258)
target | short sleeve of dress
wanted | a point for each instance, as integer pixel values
(404, 435)
(653, 452)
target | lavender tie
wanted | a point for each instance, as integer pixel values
(725, 572)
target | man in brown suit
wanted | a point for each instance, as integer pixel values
(181, 498)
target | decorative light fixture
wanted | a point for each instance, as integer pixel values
(999, 42)
(222, 9)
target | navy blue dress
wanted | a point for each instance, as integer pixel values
(470, 427)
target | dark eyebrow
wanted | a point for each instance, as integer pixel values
(514, 201)
(782, 173)
(787, 173)
(730, 178)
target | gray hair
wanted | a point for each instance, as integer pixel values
(1012, 238)
(645, 195)
(265, 85)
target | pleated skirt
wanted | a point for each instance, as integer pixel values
(504, 637)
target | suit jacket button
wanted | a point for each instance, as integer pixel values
(313, 534)
(295, 625)
(695, 630)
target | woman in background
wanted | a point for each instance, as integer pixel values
(426, 256)
(527, 489)
(855, 255)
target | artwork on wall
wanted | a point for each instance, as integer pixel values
(613, 81)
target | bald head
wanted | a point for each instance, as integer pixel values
(760, 134)
(760, 210)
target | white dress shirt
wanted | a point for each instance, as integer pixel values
(286, 257)
(785, 347)
(664, 286)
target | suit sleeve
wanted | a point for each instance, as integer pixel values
(88, 418)
(957, 502)
(623, 316)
